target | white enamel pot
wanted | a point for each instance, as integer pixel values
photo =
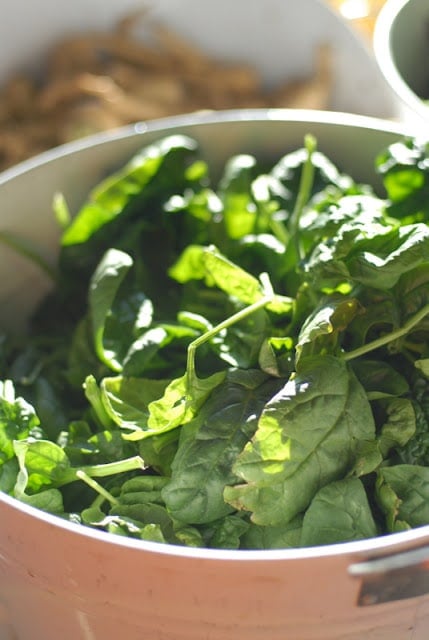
(63, 580)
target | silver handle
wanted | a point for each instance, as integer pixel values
(393, 577)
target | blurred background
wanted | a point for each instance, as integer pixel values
(362, 14)
(114, 63)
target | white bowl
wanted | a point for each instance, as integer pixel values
(401, 46)
(63, 580)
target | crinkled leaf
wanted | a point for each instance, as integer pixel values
(350, 212)
(320, 332)
(403, 495)
(75, 441)
(375, 255)
(409, 247)
(283, 536)
(339, 512)
(210, 444)
(400, 424)
(308, 436)
(416, 450)
(412, 290)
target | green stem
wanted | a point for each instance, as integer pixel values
(103, 470)
(96, 486)
(97, 503)
(305, 186)
(389, 337)
(236, 317)
(279, 230)
(113, 468)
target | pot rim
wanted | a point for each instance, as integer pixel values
(390, 543)
(339, 118)
(383, 544)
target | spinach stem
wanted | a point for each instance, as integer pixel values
(279, 230)
(389, 337)
(96, 486)
(112, 468)
(102, 470)
(236, 317)
(305, 186)
(98, 501)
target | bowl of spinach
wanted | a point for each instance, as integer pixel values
(401, 43)
(214, 399)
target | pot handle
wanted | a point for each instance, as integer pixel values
(393, 577)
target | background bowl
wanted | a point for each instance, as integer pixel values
(280, 40)
(401, 46)
(62, 580)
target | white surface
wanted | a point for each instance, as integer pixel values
(279, 37)
(401, 47)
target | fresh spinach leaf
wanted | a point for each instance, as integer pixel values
(283, 536)
(210, 443)
(403, 495)
(17, 420)
(339, 512)
(293, 454)
(403, 167)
